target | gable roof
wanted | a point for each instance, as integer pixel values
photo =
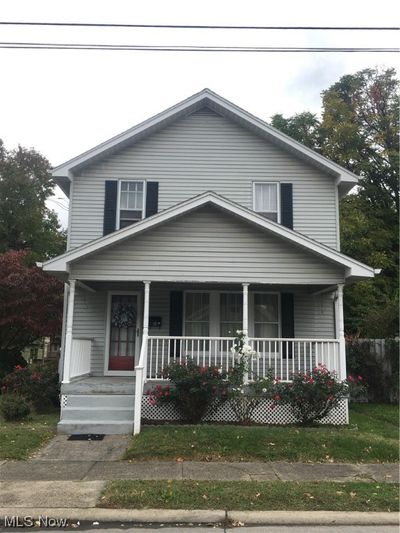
(206, 98)
(354, 269)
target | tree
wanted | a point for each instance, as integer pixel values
(25, 221)
(30, 306)
(303, 127)
(359, 130)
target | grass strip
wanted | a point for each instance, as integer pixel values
(18, 440)
(371, 437)
(251, 495)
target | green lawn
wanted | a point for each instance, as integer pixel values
(254, 495)
(371, 437)
(19, 439)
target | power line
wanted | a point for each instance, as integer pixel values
(199, 26)
(181, 48)
(59, 204)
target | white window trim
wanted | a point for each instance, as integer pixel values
(214, 324)
(278, 197)
(110, 294)
(124, 180)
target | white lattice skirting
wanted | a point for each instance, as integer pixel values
(265, 413)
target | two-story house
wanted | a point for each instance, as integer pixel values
(198, 222)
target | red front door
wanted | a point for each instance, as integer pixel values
(123, 324)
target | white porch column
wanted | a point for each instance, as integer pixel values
(340, 331)
(68, 332)
(141, 368)
(246, 319)
(146, 306)
(245, 308)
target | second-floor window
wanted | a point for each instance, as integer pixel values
(266, 200)
(131, 196)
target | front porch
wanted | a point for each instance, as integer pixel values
(111, 358)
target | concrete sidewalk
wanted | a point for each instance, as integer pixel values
(42, 470)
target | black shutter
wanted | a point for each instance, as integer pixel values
(175, 321)
(151, 198)
(287, 318)
(110, 207)
(287, 205)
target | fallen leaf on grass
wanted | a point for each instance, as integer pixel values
(353, 494)
(339, 492)
(308, 495)
(179, 459)
(205, 497)
(237, 523)
(271, 443)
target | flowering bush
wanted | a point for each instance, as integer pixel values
(245, 397)
(312, 395)
(195, 391)
(38, 386)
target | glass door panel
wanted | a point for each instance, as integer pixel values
(123, 323)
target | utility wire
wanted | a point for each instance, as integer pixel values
(198, 26)
(181, 48)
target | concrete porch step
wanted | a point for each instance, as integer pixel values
(107, 427)
(97, 413)
(100, 385)
(100, 401)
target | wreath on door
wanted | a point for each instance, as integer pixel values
(123, 315)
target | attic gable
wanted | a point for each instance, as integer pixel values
(205, 98)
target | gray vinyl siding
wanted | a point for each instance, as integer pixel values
(90, 321)
(207, 245)
(313, 317)
(201, 152)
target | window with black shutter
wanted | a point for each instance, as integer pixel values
(127, 202)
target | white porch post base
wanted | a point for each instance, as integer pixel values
(68, 334)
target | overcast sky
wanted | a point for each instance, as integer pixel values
(64, 102)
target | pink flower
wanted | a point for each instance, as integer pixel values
(152, 401)
(277, 397)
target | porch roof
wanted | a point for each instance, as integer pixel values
(353, 269)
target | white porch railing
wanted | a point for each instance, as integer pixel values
(80, 362)
(281, 356)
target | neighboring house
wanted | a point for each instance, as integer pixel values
(196, 223)
(44, 349)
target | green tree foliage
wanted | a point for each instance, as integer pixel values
(304, 127)
(25, 221)
(359, 130)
